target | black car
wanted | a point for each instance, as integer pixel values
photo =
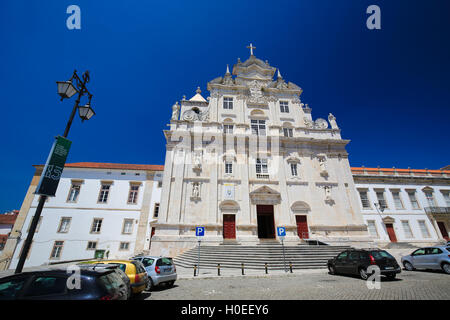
(356, 262)
(52, 284)
(114, 267)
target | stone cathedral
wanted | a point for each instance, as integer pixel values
(250, 158)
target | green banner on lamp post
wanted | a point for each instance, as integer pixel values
(54, 167)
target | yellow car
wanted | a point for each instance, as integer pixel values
(133, 269)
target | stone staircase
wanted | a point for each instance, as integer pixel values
(301, 256)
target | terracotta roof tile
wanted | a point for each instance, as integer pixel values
(119, 166)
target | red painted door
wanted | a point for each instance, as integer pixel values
(391, 232)
(302, 227)
(443, 230)
(229, 226)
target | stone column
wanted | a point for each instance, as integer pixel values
(143, 226)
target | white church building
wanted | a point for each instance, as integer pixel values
(247, 159)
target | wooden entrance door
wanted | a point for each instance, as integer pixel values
(443, 230)
(391, 232)
(229, 226)
(302, 227)
(266, 223)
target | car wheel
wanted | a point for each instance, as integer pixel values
(170, 283)
(446, 268)
(363, 274)
(408, 266)
(150, 285)
(332, 270)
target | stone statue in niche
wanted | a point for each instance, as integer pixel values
(327, 193)
(175, 111)
(322, 163)
(196, 190)
(197, 165)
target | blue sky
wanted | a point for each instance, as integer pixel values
(389, 89)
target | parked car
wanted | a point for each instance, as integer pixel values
(116, 269)
(437, 257)
(356, 262)
(133, 269)
(159, 269)
(51, 284)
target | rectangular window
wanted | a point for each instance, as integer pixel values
(261, 165)
(446, 195)
(64, 225)
(56, 251)
(104, 192)
(407, 229)
(372, 228)
(96, 225)
(258, 127)
(128, 226)
(397, 201)
(159, 184)
(92, 245)
(413, 199)
(228, 128)
(424, 229)
(364, 199)
(284, 106)
(124, 246)
(228, 103)
(381, 200)
(74, 192)
(287, 132)
(133, 194)
(430, 198)
(156, 210)
(294, 169)
(228, 167)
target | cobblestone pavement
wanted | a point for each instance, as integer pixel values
(306, 285)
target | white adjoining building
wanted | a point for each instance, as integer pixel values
(98, 208)
(240, 163)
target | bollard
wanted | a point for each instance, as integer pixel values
(242, 267)
(218, 269)
(265, 266)
(290, 266)
(195, 270)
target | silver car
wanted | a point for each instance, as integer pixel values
(159, 269)
(437, 257)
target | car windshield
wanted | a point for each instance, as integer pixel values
(381, 255)
(122, 266)
(147, 262)
(9, 289)
(164, 262)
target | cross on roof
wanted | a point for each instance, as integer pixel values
(251, 47)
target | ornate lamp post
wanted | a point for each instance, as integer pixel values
(66, 89)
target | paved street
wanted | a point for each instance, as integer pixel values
(305, 284)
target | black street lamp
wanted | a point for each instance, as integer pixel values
(66, 89)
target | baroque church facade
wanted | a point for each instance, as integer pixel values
(250, 158)
(247, 159)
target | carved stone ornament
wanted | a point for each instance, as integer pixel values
(308, 123)
(189, 115)
(321, 123)
(256, 94)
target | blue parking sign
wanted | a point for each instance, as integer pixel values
(200, 231)
(281, 231)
